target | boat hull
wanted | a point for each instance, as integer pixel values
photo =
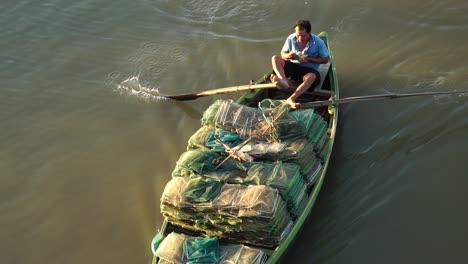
(328, 90)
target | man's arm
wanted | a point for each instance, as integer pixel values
(288, 55)
(315, 60)
(323, 56)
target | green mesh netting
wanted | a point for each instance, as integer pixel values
(217, 189)
(201, 190)
(201, 249)
(204, 161)
(246, 213)
(299, 151)
(275, 123)
(181, 248)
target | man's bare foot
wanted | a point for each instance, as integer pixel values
(282, 83)
(292, 104)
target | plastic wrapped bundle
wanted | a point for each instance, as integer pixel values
(213, 139)
(279, 125)
(312, 176)
(198, 139)
(241, 254)
(285, 177)
(321, 144)
(171, 249)
(203, 162)
(209, 116)
(255, 214)
(306, 117)
(201, 249)
(248, 213)
(313, 125)
(238, 118)
(326, 149)
(216, 188)
(300, 152)
(318, 131)
(252, 122)
(181, 248)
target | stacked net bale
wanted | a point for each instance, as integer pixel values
(213, 139)
(206, 163)
(249, 214)
(299, 151)
(270, 133)
(181, 248)
(217, 191)
(285, 177)
(249, 122)
(271, 121)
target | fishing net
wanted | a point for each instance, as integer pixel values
(302, 151)
(201, 249)
(271, 124)
(181, 248)
(283, 176)
(255, 214)
(203, 162)
(245, 175)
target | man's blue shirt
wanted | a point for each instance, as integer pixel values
(315, 48)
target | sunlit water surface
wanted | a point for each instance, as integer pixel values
(84, 156)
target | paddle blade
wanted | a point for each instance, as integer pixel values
(182, 97)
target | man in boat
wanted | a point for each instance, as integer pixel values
(300, 58)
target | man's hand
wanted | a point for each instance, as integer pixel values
(303, 59)
(288, 55)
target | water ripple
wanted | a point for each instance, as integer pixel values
(204, 12)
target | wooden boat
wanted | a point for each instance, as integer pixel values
(327, 89)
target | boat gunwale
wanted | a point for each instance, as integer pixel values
(278, 253)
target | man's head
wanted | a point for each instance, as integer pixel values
(302, 30)
(303, 25)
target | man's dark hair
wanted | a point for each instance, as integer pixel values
(303, 24)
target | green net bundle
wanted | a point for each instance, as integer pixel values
(246, 172)
(283, 176)
(251, 122)
(299, 151)
(181, 248)
(254, 214)
(203, 162)
(271, 122)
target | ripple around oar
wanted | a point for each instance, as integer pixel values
(132, 86)
(110, 82)
(150, 47)
(114, 75)
(137, 58)
(178, 54)
(152, 72)
(155, 48)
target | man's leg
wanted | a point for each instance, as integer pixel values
(278, 66)
(309, 79)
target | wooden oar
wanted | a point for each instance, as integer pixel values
(372, 97)
(232, 89)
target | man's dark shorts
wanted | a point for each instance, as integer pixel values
(297, 72)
